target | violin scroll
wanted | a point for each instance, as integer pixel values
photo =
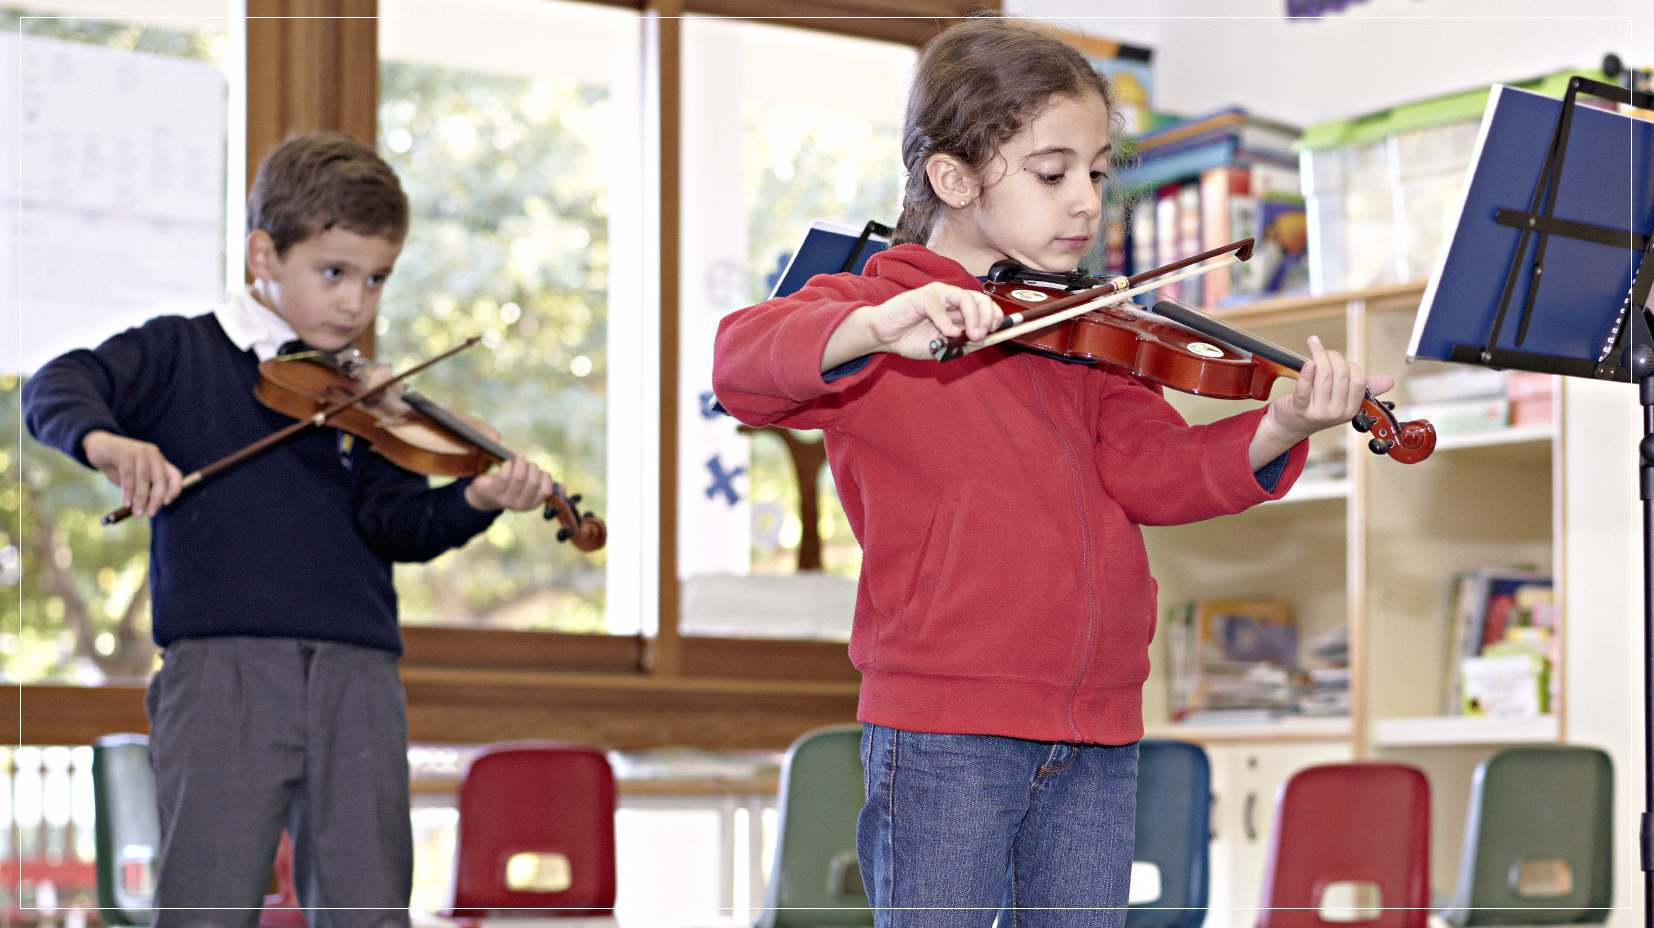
(585, 531)
(1407, 442)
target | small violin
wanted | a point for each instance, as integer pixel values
(408, 429)
(1182, 348)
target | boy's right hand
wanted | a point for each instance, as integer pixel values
(908, 322)
(147, 479)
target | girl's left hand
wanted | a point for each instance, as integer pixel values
(1329, 392)
(516, 485)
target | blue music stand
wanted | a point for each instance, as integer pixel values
(831, 248)
(1562, 286)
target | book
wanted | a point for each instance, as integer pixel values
(1219, 189)
(1472, 593)
(1141, 235)
(1282, 250)
(1262, 136)
(1111, 240)
(1166, 230)
(1188, 238)
(1232, 655)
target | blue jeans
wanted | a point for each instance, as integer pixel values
(958, 827)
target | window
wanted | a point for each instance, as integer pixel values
(121, 159)
(514, 127)
(781, 126)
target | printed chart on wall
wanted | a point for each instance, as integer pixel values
(113, 204)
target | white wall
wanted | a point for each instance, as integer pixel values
(1372, 55)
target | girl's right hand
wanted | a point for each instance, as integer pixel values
(908, 322)
(147, 479)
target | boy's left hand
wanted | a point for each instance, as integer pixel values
(1329, 392)
(516, 485)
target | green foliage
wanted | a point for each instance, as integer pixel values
(78, 609)
(198, 46)
(801, 163)
(509, 241)
(76, 604)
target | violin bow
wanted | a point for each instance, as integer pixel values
(315, 420)
(1116, 290)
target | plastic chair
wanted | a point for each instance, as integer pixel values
(126, 827)
(815, 879)
(1174, 834)
(1351, 841)
(127, 832)
(536, 833)
(1538, 839)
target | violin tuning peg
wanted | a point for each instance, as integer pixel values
(1362, 422)
(1380, 446)
(1387, 404)
(574, 499)
(562, 534)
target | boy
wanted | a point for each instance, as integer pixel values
(278, 703)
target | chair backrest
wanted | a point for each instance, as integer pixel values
(1354, 838)
(1174, 834)
(815, 879)
(126, 826)
(536, 832)
(1538, 839)
(127, 832)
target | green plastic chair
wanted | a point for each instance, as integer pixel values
(815, 880)
(127, 827)
(1538, 841)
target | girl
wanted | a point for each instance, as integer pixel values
(1005, 605)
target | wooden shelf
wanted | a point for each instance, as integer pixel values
(1463, 730)
(1309, 490)
(1515, 435)
(1330, 728)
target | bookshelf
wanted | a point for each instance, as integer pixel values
(1377, 548)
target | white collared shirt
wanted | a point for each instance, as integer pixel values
(253, 326)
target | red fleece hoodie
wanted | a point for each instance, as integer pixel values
(1005, 589)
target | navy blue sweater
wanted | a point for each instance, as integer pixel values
(296, 542)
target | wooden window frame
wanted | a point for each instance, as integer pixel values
(313, 65)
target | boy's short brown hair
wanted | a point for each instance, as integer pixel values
(315, 182)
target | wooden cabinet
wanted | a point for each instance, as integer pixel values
(1377, 547)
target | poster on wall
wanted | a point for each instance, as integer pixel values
(113, 202)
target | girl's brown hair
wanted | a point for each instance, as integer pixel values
(976, 86)
(315, 182)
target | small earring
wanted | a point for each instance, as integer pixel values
(961, 204)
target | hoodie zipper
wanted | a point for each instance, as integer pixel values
(1085, 545)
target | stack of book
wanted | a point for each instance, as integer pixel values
(1501, 644)
(1199, 184)
(1328, 689)
(1232, 661)
(1188, 147)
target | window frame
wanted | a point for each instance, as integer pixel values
(313, 65)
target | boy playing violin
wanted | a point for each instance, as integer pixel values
(278, 704)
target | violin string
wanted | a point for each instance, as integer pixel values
(1110, 299)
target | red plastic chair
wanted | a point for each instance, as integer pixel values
(536, 833)
(281, 906)
(1351, 827)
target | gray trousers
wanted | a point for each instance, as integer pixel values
(249, 736)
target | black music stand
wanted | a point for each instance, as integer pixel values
(1561, 286)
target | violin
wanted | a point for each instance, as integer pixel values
(408, 429)
(345, 390)
(1172, 344)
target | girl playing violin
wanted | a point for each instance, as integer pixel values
(1005, 605)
